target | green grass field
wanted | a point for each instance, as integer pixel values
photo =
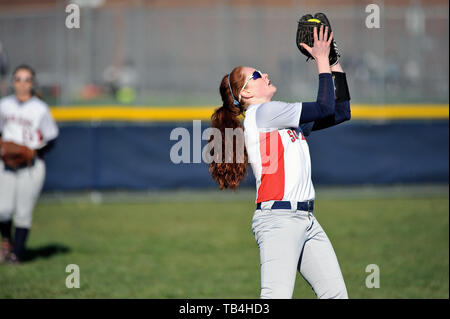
(200, 244)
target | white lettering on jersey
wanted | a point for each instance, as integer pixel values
(278, 152)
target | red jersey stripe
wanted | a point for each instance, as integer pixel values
(272, 160)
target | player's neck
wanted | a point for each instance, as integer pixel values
(258, 100)
(22, 98)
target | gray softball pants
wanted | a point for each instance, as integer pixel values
(19, 192)
(291, 240)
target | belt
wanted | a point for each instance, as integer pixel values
(23, 165)
(307, 206)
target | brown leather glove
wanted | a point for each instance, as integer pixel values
(14, 155)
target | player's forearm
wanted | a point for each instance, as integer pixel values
(341, 114)
(323, 65)
(325, 95)
(324, 105)
(47, 147)
(341, 90)
(337, 68)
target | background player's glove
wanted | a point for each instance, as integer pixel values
(14, 155)
(305, 34)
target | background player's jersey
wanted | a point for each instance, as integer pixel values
(30, 123)
(278, 152)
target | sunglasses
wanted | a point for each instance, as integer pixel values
(255, 75)
(19, 79)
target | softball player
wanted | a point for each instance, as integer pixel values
(27, 131)
(288, 235)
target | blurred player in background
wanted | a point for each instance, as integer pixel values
(287, 233)
(27, 131)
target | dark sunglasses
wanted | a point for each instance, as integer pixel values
(19, 79)
(255, 75)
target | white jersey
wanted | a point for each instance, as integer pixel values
(278, 152)
(30, 123)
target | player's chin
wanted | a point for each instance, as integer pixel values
(272, 92)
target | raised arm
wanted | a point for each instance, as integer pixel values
(325, 104)
(342, 111)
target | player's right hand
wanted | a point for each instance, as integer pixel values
(321, 49)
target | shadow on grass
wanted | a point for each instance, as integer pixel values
(44, 252)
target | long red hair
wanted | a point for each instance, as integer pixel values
(226, 174)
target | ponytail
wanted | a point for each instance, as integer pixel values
(229, 173)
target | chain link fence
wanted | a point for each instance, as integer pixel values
(167, 55)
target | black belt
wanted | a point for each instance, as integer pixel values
(307, 206)
(23, 165)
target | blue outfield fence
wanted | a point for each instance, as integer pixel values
(137, 156)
